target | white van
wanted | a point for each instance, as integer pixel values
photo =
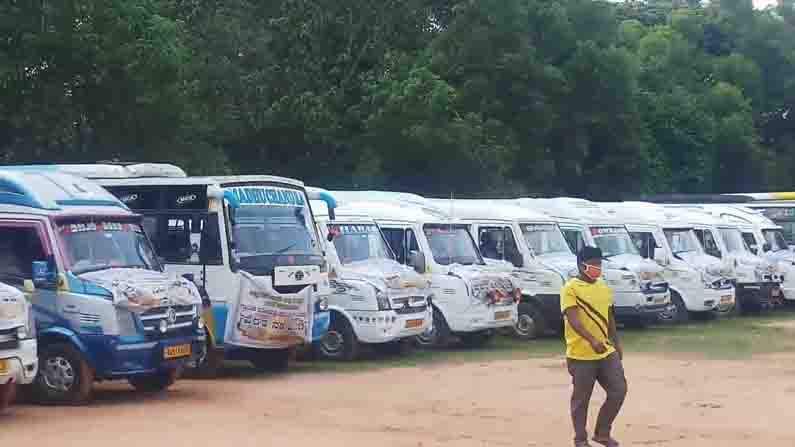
(641, 293)
(765, 239)
(470, 299)
(251, 243)
(375, 300)
(722, 238)
(538, 256)
(696, 281)
(18, 358)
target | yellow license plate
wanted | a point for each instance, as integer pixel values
(172, 352)
(4, 366)
(502, 315)
(413, 323)
(726, 299)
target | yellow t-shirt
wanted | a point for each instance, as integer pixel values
(593, 302)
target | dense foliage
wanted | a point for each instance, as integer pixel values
(486, 97)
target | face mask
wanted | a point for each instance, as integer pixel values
(592, 271)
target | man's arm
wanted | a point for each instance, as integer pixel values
(613, 333)
(576, 324)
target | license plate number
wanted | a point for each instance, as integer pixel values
(172, 352)
(414, 323)
(4, 366)
(502, 315)
(726, 299)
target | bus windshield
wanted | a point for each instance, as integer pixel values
(273, 230)
(359, 242)
(91, 246)
(452, 244)
(545, 239)
(614, 241)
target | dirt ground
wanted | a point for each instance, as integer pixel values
(504, 403)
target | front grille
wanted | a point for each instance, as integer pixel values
(8, 339)
(411, 310)
(722, 284)
(185, 314)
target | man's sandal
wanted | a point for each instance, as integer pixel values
(606, 441)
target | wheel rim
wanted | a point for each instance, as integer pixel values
(428, 336)
(525, 325)
(59, 374)
(332, 343)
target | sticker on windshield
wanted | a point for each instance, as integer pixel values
(538, 228)
(352, 229)
(260, 195)
(93, 226)
(602, 231)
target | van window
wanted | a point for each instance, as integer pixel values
(645, 242)
(708, 242)
(574, 239)
(19, 247)
(499, 243)
(398, 240)
(177, 237)
(750, 241)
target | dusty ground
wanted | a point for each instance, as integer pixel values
(503, 403)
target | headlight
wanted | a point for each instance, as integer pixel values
(322, 304)
(200, 322)
(22, 333)
(383, 301)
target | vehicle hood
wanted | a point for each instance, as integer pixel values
(140, 290)
(634, 263)
(386, 275)
(13, 307)
(563, 263)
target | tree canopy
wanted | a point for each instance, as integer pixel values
(472, 97)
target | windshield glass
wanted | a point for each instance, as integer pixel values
(545, 239)
(452, 244)
(776, 240)
(733, 240)
(359, 242)
(93, 246)
(613, 241)
(682, 241)
(273, 230)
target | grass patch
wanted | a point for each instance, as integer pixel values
(719, 339)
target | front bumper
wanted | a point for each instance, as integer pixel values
(22, 363)
(390, 325)
(491, 317)
(649, 313)
(721, 300)
(116, 358)
(320, 324)
(757, 294)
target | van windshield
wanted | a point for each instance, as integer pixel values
(733, 240)
(545, 239)
(682, 240)
(613, 241)
(273, 230)
(98, 245)
(452, 244)
(359, 242)
(776, 240)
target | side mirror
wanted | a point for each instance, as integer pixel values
(660, 257)
(417, 260)
(766, 247)
(43, 272)
(210, 247)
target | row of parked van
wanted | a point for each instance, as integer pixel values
(136, 272)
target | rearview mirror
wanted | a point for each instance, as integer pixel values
(42, 273)
(766, 247)
(660, 257)
(210, 246)
(417, 260)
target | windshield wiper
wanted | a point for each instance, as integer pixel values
(287, 248)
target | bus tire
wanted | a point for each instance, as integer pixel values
(64, 376)
(438, 335)
(530, 324)
(682, 315)
(340, 342)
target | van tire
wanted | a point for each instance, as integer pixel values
(682, 314)
(154, 383)
(340, 343)
(438, 336)
(270, 360)
(7, 393)
(530, 323)
(64, 376)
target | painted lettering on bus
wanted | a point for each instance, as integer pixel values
(268, 196)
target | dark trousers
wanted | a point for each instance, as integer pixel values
(609, 372)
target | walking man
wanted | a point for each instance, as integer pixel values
(593, 351)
